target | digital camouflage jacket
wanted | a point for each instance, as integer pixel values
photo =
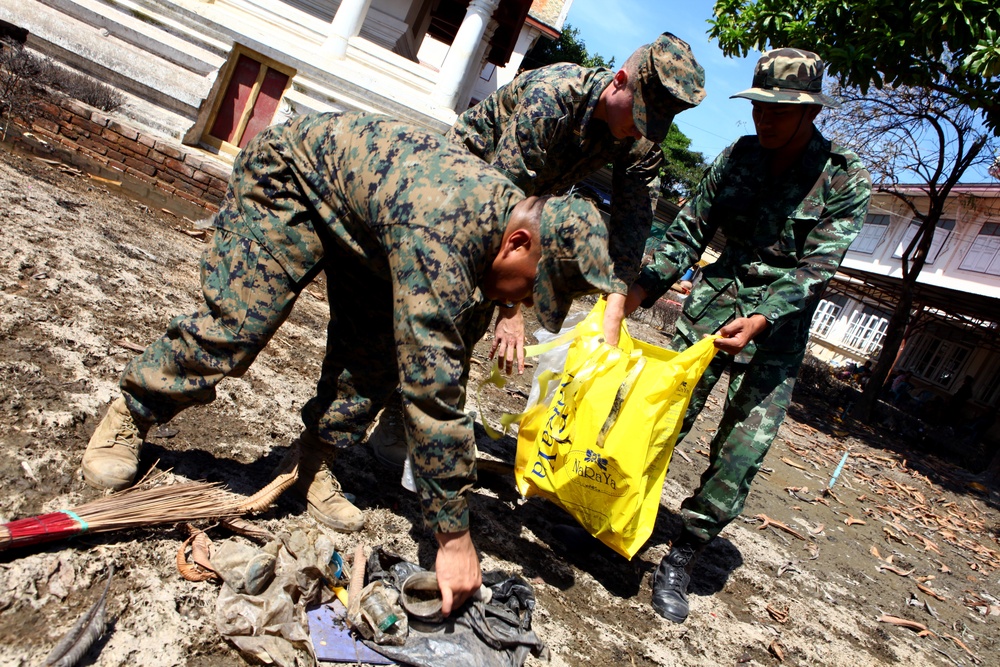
(540, 132)
(785, 239)
(407, 207)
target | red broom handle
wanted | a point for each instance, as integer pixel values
(43, 528)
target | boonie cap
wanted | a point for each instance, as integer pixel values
(788, 76)
(574, 260)
(668, 81)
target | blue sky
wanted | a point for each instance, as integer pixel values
(617, 27)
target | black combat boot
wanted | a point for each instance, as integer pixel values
(670, 582)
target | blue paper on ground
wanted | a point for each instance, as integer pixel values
(333, 641)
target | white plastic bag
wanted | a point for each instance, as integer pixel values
(553, 360)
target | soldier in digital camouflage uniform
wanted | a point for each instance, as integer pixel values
(552, 127)
(418, 238)
(789, 204)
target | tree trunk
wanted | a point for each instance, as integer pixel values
(992, 473)
(864, 409)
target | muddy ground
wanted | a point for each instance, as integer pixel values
(86, 274)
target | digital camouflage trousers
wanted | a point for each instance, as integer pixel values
(247, 296)
(757, 399)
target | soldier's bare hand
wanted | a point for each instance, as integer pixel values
(636, 295)
(508, 340)
(614, 313)
(737, 334)
(457, 568)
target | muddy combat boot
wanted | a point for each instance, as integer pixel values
(321, 489)
(670, 582)
(112, 457)
(388, 438)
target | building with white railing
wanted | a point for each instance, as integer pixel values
(211, 73)
(953, 330)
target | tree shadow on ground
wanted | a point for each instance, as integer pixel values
(942, 452)
(619, 576)
(553, 527)
(713, 567)
(200, 464)
(568, 543)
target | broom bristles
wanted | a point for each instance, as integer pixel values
(133, 508)
(172, 503)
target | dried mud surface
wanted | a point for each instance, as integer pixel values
(85, 272)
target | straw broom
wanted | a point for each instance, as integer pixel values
(146, 505)
(132, 508)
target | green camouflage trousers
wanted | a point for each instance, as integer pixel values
(247, 296)
(757, 399)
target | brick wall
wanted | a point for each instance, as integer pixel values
(175, 169)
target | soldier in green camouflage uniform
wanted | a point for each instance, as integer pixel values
(417, 238)
(552, 127)
(789, 204)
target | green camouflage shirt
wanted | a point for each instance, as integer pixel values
(408, 207)
(785, 238)
(539, 130)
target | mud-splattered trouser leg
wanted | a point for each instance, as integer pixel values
(247, 297)
(359, 369)
(757, 399)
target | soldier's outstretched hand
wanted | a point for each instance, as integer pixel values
(737, 334)
(508, 340)
(614, 313)
(457, 568)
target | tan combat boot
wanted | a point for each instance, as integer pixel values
(321, 489)
(388, 438)
(112, 457)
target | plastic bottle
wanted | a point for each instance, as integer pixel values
(379, 611)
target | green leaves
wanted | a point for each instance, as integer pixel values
(569, 48)
(984, 58)
(948, 45)
(682, 168)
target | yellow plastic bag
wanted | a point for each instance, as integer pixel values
(601, 446)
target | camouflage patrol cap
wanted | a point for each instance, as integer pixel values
(574, 260)
(668, 80)
(788, 76)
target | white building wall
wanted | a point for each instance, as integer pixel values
(946, 269)
(486, 84)
(171, 56)
(432, 52)
(528, 38)
(953, 248)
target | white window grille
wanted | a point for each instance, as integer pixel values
(984, 254)
(941, 235)
(826, 314)
(871, 234)
(937, 360)
(865, 331)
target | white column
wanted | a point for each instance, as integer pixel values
(461, 55)
(525, 41)
(478, 63)
(346, 24)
